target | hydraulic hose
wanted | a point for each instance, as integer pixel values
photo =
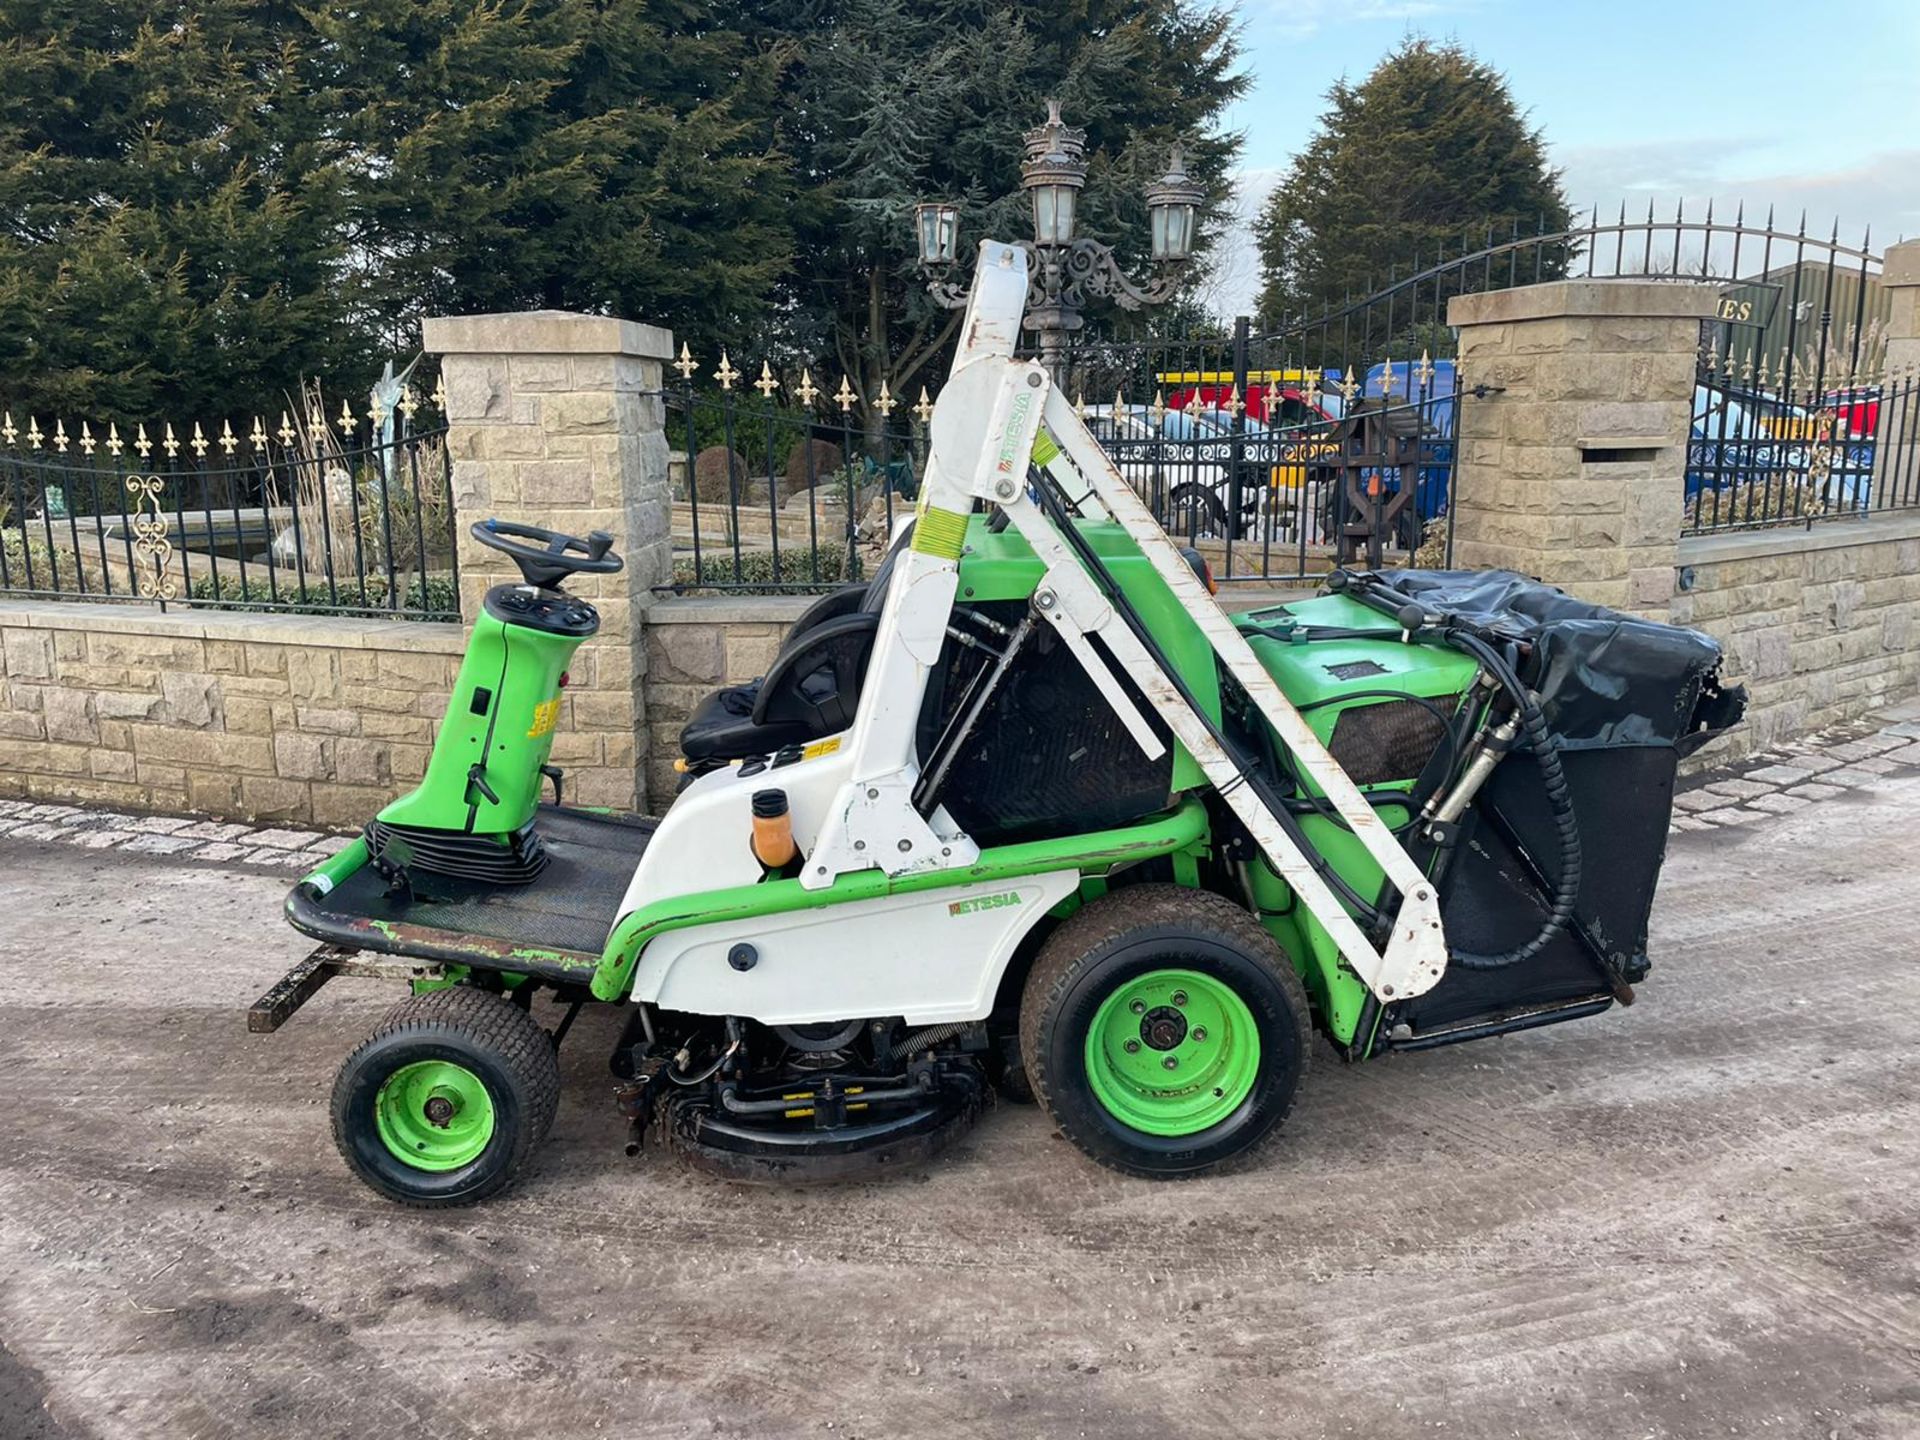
(1533, 725)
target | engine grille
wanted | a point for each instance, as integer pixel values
(1393, 740)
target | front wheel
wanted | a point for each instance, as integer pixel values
(1164, 1031)
(445, 1100)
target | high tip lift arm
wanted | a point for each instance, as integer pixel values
(993, 416)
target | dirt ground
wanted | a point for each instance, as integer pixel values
(1699, 1217)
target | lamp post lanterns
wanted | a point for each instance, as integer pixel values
(1063, 271)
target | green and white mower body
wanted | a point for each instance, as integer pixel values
(1030, 810)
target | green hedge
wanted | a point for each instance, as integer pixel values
(757, 575)
(437, 600)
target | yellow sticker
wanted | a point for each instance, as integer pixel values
(544, 716)
(820, 747)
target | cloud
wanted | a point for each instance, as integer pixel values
(1878, 190)
(1298, 21)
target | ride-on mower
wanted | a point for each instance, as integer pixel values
(1028, 811)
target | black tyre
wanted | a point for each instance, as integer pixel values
(1154, 974)
(445, 1100)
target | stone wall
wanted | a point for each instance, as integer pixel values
(693, 648)
(319, 721)
(1819, 624)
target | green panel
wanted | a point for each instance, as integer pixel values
(1090, 854)
(1003, 567)
(501, 715)
(1305, 672)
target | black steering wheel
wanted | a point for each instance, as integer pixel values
(562, 556)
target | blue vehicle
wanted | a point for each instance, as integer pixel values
(1748, 450)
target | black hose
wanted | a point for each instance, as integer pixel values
(1533, 724)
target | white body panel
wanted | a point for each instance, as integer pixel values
(931, 957)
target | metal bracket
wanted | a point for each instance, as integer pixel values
(303, 981)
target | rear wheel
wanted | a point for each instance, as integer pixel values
(445, 1100)
(1164, 1031)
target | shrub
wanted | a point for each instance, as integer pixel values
(437, 599)
(757, 574)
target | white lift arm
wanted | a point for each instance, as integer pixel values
(994, 414)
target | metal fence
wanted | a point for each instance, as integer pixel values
(788, 489)
(347, 515)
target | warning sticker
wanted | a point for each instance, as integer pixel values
(544, 715)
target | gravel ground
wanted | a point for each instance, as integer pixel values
(1697, 1217)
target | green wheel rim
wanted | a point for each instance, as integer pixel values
(434, 1115)
(1199, 1023)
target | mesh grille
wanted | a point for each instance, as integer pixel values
(1376, 744)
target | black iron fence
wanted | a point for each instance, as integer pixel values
(345, 515)
(789, 489)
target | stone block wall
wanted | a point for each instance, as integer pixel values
(1821, 625)
(318, 721)
(693, 648)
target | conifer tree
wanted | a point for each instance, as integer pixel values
(1409, 166)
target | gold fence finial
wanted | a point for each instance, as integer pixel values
(440, 394)
(60, 435)
(924, 407)
(141, 442)
(845, 395)
(725, 373)
(806, 390)
(408, 403)
(168, 443)
(286, 431)
(34, 437)
(1425, 371)
(1236, 406)
(1349, 387)
(377, 413)
(7, 431)
(257, 437)
(316, 423)
(1386, 380)
(1158, 410)
(766, 384)
(686, 364)
(346, 419)
(199, 441)
(87, 442)
(885, 402)
(228, 442)
(114, 443)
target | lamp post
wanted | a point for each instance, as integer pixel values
(1064, 271)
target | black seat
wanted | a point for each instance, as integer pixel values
(813, 686)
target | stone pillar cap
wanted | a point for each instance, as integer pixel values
(1902, 265)
(544, 332)
(1634, 298)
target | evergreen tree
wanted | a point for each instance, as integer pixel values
(891, 102)
(1408, 167)
(169, 237)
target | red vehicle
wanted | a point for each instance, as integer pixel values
(1277, 398)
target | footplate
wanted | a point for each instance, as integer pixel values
(303, 982)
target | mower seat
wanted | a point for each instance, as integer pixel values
(812, 688)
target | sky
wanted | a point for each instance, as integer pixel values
(1808, 104)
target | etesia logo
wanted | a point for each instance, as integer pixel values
(1010, 441)
(544, 714)
(984, 902)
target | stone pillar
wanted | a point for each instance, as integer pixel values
(1572, 467)
(556, 419)
(1894, 463)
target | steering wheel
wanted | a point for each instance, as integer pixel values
(562, 556)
